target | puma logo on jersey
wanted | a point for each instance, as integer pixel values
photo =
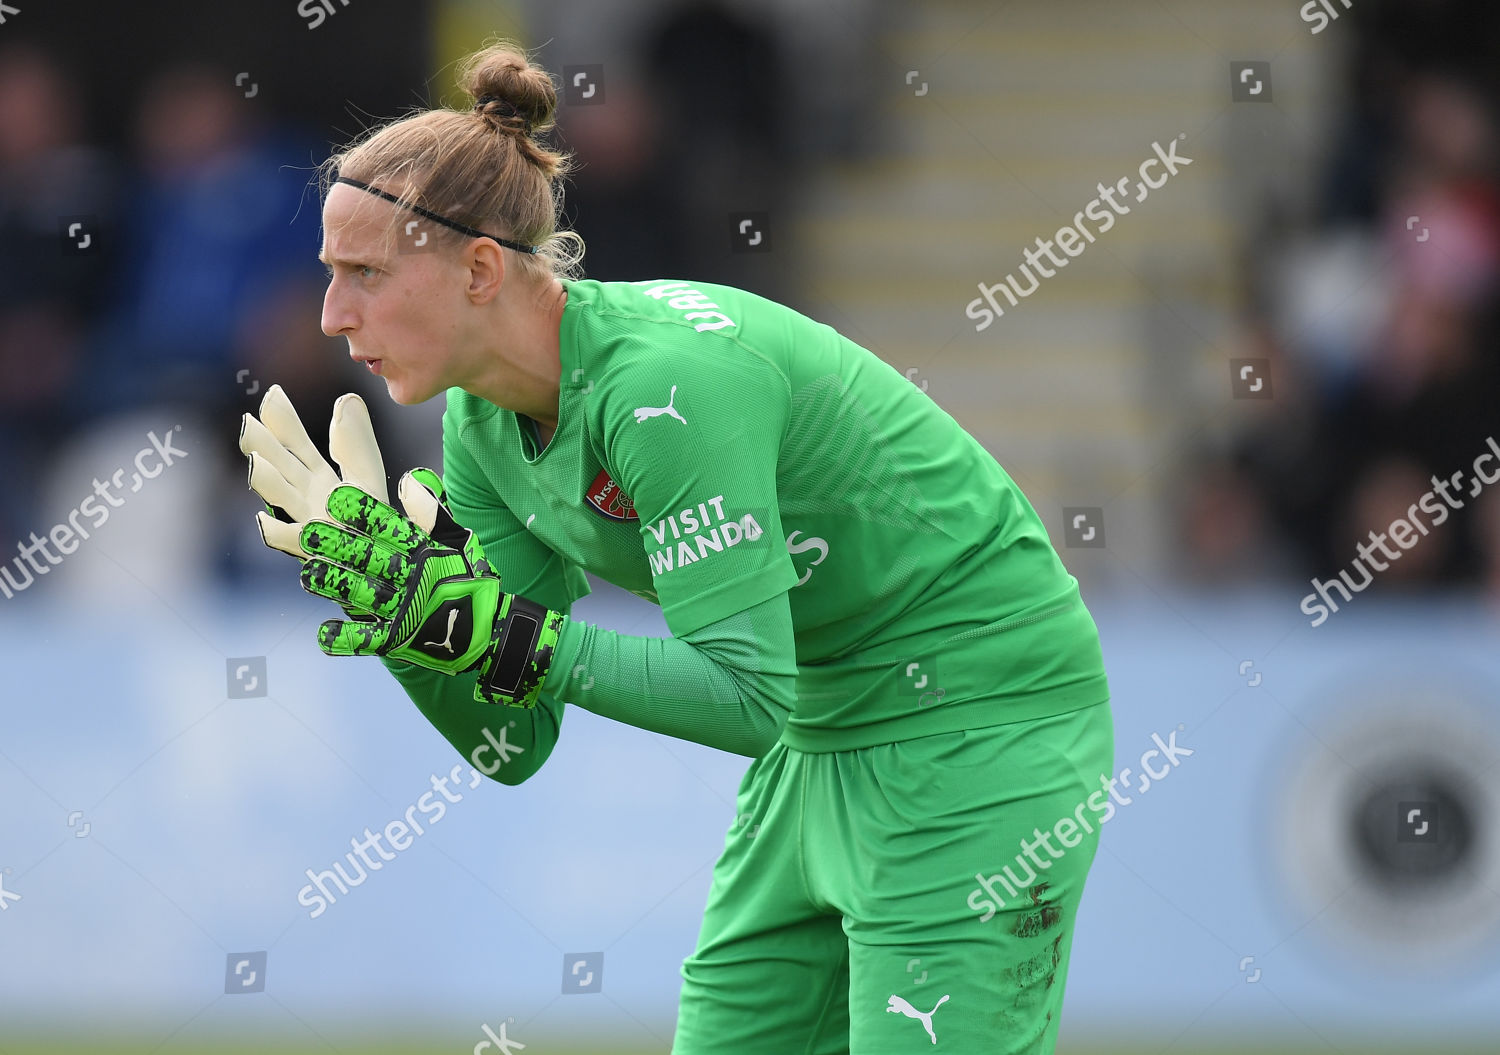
(605, 498)
(642, 413)
(683, 298)
(899, 1006)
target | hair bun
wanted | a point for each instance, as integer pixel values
(508, 91)
(503, 111)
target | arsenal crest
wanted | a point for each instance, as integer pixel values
(605, 496)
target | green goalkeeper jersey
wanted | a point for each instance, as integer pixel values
(715, 450)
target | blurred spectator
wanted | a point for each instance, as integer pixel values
(48, 179)
(202, 288)
(219, 291)
(702, 134)
(1363, 421)
(216, 222)
(1425, 398)
(716, 81)
(617, 197)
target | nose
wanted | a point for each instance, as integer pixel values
(337, 317)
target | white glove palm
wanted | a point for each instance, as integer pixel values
(290, 475)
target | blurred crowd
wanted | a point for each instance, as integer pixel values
(171, 278)
(175, 276)
(1380, 319)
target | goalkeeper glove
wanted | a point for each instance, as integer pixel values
(290, 475)
(421, 590)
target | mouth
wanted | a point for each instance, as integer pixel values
(372, 364)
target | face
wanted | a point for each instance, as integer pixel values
(399, 311)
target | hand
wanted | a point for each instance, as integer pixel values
(290, 475)
(420, 590)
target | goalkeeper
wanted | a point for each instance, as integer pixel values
(861, 599)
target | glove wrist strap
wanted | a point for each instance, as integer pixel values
(521, 654)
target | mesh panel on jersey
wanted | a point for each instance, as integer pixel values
(837, 451)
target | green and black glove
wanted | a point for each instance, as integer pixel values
(420, 590)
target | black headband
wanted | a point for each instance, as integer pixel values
(472, 232)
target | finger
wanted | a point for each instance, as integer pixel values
(356, 552)
(351, 589)
(351, 441)
(349, 637)
(255, 439)
(300, 464)
(278, 534)
(430, 480)
(367, 515)
(418, 499)
(433, 515)
(276, 490)
(280, 417)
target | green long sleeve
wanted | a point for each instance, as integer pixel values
(506, 743)
(729, 685)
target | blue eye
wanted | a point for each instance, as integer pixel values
(362, 267)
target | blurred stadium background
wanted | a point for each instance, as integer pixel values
(175, 754)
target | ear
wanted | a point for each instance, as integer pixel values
(485, 261)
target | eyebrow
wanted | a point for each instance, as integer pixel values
(325, 259)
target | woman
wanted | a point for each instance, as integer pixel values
(861, 600)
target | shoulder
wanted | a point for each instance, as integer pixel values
(640, 372)
(666, 308)
(626, 330)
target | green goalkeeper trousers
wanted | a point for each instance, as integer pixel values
(855, 908)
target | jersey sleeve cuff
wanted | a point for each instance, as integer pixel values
(730, 596)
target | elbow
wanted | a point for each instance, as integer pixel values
(512, 760)
(517, 770)
(761, 736)
(512, 776)
(762, 744)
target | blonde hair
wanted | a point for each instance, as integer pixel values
(483, 167)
